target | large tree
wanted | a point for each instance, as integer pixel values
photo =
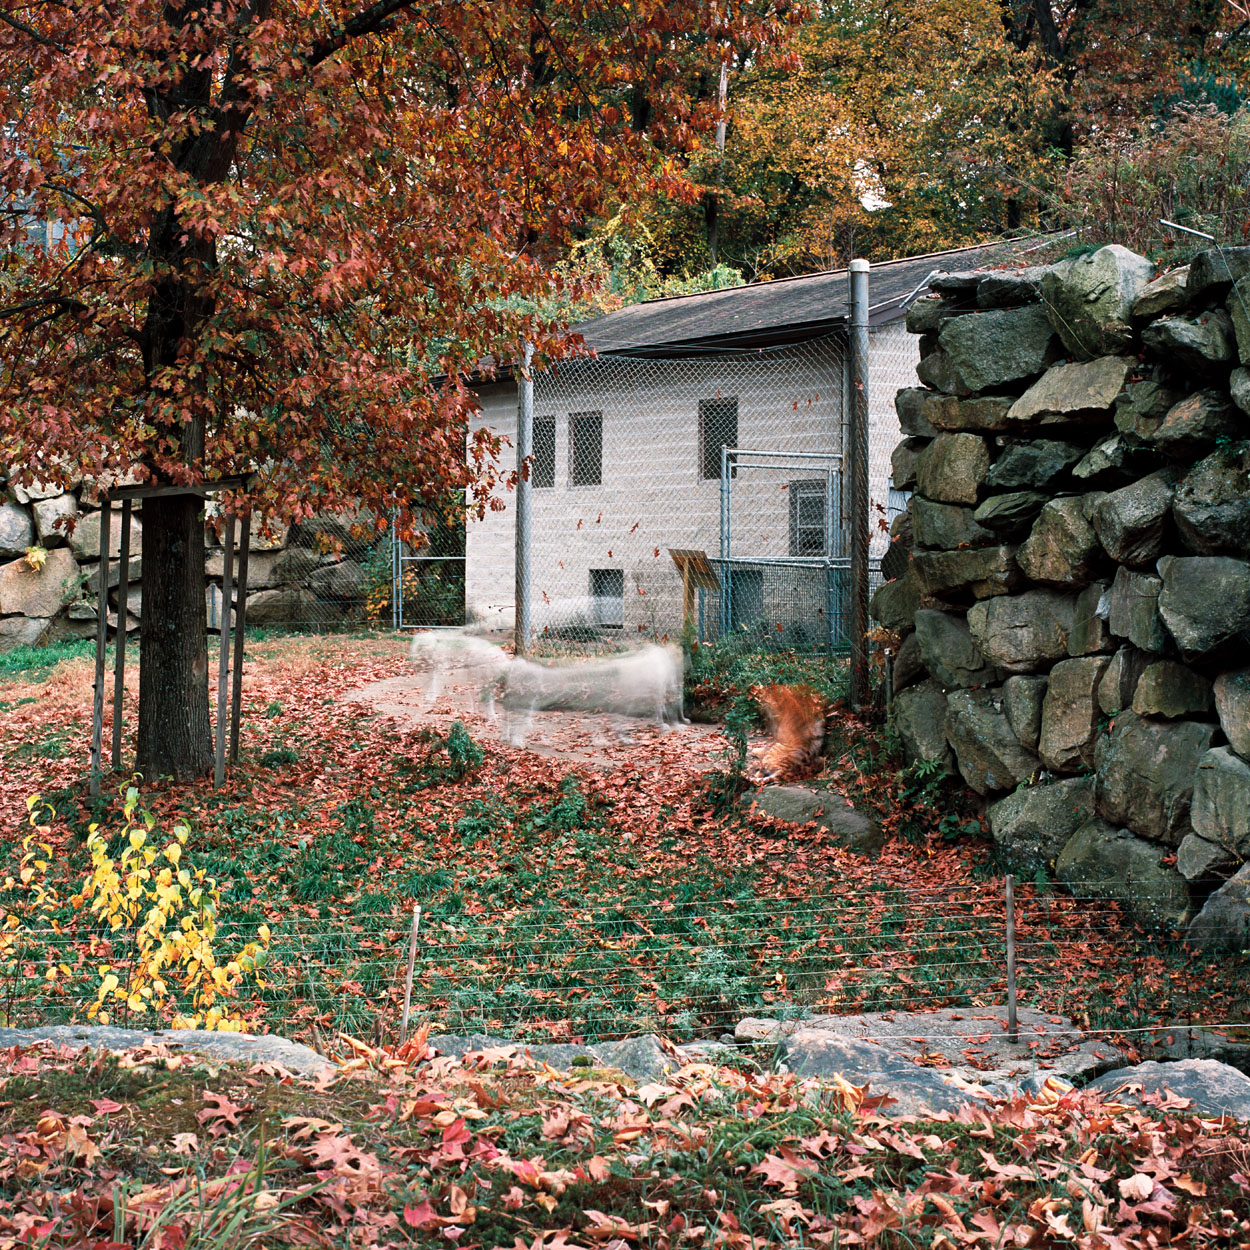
(287, 229)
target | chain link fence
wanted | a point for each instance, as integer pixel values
(689, 494)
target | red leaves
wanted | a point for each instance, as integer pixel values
(219, 1115)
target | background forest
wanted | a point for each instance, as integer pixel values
(899, 127)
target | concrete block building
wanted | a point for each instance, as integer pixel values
(711, 423)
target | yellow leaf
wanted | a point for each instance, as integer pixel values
(173, 852)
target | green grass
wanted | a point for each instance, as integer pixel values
(33, 663)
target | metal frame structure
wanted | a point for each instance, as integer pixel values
(735, 460)
(126, 495)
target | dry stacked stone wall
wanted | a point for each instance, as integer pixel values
(50, 578)
(1071, 581)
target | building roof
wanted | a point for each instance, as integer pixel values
(765, 314)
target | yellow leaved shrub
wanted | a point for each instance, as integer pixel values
(149, 912)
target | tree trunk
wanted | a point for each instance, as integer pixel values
(174, 734)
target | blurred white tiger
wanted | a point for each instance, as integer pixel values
(460, 659)
(644, 684)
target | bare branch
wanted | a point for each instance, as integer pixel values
(31, 33)
(374, 20)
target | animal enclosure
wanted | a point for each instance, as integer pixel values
(736, 454)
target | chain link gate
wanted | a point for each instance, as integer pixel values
(784, 561)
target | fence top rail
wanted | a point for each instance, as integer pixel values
(835, 457)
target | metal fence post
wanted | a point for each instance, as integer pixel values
(1009, 893)
(857, 462)
(101, 643)
(524, 499)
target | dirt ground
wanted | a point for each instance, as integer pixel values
(592, 740)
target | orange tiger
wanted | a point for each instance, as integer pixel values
(796, 721)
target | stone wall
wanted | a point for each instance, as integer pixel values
(1071, 583)
(305, 575)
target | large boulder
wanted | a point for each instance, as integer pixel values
(1145, 777)
(1119, 682)
(903, 461)
(1213, 272)
(1172, 691)
(952, 467)
(908, 663)
(1112, 462)
(915, 405)
(1239, 310)
(282, 606)
(1022, 633)
(1196, 424)
(1133, 610)
(91, 572)
(914, 1090)
(39, 592)
(1239, 389)
(1205, 602)
(1212, 504)
(850, 829)
(16, 531)
(1131, 523)
(1083, 392)
(1198, 860)
(1232, 705)
(993, 349)
(1090, 299)
(1009, 514)
(918, 715)
(1032, 826)
(1091, 632)
(266, 569)
(923, 413)
(1202, 342)
(1022, 702)
(1008, 288)
(337, 531)
(1062, 548)
(85, 540)
(976, 1046)
(1166, 294)
(947, 526)
(1220, 810)
(980, 571)
(894, 603)
(1225, 917)
(928, 314)
(1106, 862)
(898, 555)
(339, 580)
(50, 514)
(1210, 1088)
(988, 753)
(949, 651)
(1070, 714)
(1033, 464)
(23, 631)
(1141, 407)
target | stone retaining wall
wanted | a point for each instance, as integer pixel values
(307, 574)
(1071, 583)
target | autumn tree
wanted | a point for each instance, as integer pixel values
(904, 126)
(287, 230)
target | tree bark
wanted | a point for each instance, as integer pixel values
(174, 733)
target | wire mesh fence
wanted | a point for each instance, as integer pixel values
(686, 970)
(643, 466)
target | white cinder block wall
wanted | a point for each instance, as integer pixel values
(653, 496)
